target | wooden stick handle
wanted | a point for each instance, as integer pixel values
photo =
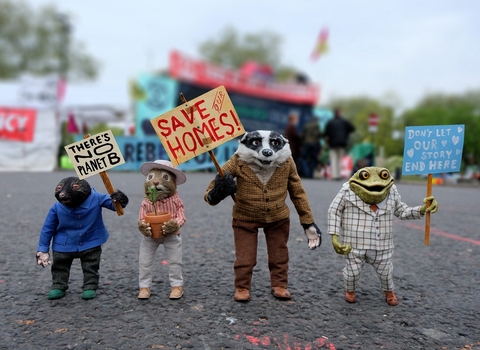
(427, 215)
(109, 186)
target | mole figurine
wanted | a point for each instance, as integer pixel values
(265, 174)
(75, 229)
(362, 214)
(163, 178)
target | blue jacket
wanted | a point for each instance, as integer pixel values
(75, 229)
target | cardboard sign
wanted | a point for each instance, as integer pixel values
(198, 126)
(95, 154)
(433, 149)
(17, 124)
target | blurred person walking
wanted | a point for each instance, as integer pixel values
(294, 139)
(337, 132)
(311, 147)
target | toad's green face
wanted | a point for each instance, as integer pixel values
(371, 184)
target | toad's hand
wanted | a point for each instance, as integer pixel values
(340, 248)
(314, 235)
(170, 227)
(432, 208)
(145, 228)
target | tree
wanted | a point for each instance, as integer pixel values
(232, 51)
(39, 42)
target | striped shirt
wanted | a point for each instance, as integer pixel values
(362, 228)
(173, 205)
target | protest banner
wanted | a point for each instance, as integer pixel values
(95, 155)
(17, 124)
(198, 126)
(432, 149)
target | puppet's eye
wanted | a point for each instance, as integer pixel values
(364, 175)
(384, 174)
(256, 142)
(166, 177)
(275, 142)
(76, 187)
(59, 187)
(149, 177)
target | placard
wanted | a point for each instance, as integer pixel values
(95, 154)
(433, 149)
(198, 125)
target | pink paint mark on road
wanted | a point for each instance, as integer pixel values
(442, 233)
(287, 343)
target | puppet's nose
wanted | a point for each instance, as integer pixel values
(267, 152)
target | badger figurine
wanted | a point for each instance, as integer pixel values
(261, 173)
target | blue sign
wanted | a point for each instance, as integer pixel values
(433, 149)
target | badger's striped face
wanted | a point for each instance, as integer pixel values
(264, 148)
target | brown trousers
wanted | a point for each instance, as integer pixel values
(246, 241)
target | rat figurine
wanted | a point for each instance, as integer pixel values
(75, 228)
(362, 213)
(265, 174)
(164, 178)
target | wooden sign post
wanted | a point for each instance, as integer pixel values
(198, 126)
(429, 150)
(94, 155)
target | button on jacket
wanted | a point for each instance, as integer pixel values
(75, 229)
(257, 202)
(362, 228)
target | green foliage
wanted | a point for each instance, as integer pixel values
(232, 50)
(39, 42)
(152, 195)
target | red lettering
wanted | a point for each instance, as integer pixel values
(176, 124)
(201, 110)
(190, 144)
(174, 149)
(185, 114)
(214, 129)
(232, 129)
(161, 127)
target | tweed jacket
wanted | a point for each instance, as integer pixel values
(362, 228)
(257, 202)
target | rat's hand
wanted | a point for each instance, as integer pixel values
(433, 207)
(43, 259)
(145, 228)
(120, 197)
(170, 227)
(314, 235)
(340, 248)
(224, 186)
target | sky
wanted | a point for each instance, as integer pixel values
(377, 48)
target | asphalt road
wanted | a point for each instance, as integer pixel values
(436, 284)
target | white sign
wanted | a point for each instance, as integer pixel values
(95, 154)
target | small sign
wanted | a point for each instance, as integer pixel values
(17, 124)
(433, 149)
(198, 125)
(95, 154)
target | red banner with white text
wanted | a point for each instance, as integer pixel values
(17, 124)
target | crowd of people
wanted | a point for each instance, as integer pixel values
(307, 147)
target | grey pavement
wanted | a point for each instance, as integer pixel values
(436, 284)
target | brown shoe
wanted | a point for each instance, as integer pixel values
(144, 293)
(350, 296)
(281, 293)
(176, 293)
(241, 294)
(391, 298)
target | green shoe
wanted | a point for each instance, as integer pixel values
(56, 294)
(89, 294)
